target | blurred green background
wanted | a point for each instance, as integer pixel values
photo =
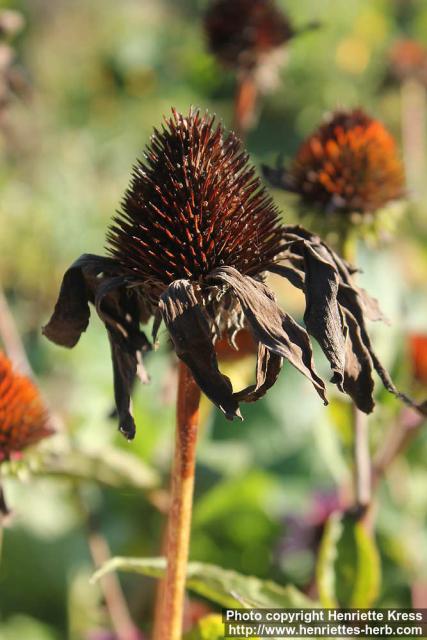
(98, 75)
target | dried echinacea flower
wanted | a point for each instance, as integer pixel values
(350, 164)
(195, 238)
(190, 247)
(23, 416)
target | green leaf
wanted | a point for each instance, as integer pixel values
(112, 467)
(348, 568)
(224, 587)
(325, 573)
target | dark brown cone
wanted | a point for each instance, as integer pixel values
(194, 204)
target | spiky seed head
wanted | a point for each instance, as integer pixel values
(349, 164)
(194, 204)
(242, 32)
(23, 417)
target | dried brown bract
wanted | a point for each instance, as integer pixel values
(23, 417)
(195, 238)
(348, 165)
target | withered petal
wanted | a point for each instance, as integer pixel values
(345, 271)
(326, 283)
(369, 305)
(119, 309)
(358, 381)
(355, 306)
(124, 373)
(191, 336)
(268, 368)
(322, 315)
(352, 302)
(71, 314)
(270, 325)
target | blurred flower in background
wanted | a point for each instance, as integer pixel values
(348, 165)
(23, 416)
(242, 34)
(248, 37)
(407, 67)
(408, 60)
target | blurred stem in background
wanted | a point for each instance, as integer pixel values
(115, 601)
(169, 612)
(245, 101)
(414, 117)
(403, 431)
(4, 513)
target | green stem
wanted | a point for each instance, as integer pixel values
(361, 453)
(4, 513)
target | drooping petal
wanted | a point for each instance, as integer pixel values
(353, 304)
(191, 336)
(94, 279)
(71, 315)
(268, 368)
(119, 310)
(322, 315)
(350, 304)
(272, 327)
(358, 381)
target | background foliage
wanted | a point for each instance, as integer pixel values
(101, 74)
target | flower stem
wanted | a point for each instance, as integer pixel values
(413, 117)
(362, 461)
(4, 513)
(170, 612)
(111, 589)
(245, 104)
(361, 453)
